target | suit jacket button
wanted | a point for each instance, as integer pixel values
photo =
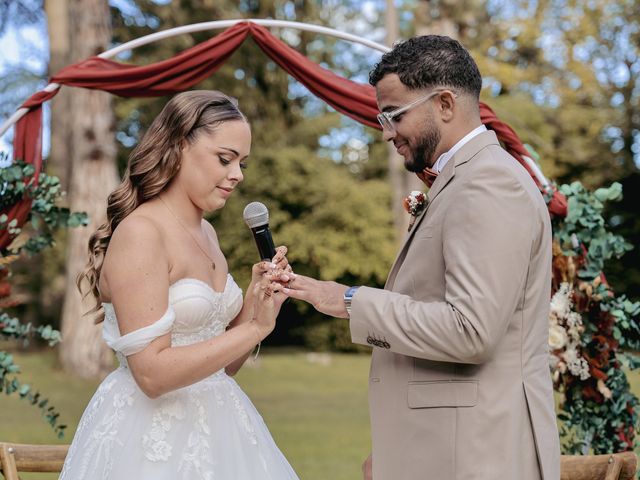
(386, 345)
(370, 340)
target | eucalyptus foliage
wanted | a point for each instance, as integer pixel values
(17, 183)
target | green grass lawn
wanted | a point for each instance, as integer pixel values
(315, 406)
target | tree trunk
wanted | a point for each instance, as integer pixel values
(51, 277)
(58, 163)
(402, 181)
(442, 24)
(443, 17)
(93, 176)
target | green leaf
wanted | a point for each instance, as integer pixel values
(613, 193)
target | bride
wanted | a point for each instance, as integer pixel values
(174, 315)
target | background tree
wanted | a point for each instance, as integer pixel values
(57, 12)
(93, 176)
(578, 62)
(564, 76)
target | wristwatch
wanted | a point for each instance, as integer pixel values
(348, 295)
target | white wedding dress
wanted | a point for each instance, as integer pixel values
(209, 430)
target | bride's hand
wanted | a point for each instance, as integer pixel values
(280, 259)
(278, 268)
(283, 273)
(258, 271)
(269, 299)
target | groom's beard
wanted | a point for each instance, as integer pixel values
(422, 150)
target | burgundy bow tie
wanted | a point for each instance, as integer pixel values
(428, 176)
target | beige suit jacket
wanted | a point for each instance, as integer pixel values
(460, 387)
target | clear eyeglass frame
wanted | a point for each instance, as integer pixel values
(386, 119)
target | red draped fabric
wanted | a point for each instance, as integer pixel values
(558, 203)
(191, 66)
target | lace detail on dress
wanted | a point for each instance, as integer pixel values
(155, 446)
(103, 434)
(244, 417)
(197, 459)
(179, 338)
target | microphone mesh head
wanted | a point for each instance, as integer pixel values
(256, 214)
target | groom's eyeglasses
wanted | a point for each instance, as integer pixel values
(387, 119)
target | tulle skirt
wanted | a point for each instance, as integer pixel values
(209, 430)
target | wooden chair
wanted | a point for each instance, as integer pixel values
(16, 457)
(616, 466)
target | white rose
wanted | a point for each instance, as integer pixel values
(557, 337)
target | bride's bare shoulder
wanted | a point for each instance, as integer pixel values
(136, 246)
(135, 229)
(137, 237)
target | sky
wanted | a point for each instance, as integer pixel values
(24, 47)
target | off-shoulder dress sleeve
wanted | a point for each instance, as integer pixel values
(138, 340)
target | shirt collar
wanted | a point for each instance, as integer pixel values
(446, 156)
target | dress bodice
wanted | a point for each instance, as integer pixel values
(201, 312)
(196, 313)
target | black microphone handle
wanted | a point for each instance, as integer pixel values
(264, 242)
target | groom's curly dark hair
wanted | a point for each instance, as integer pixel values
(430, 61)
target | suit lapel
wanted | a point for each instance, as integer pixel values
(403, 250)
(442, 181)
(466, 153)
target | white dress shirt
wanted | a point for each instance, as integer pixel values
(444, 158)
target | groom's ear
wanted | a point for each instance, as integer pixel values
(447, 106)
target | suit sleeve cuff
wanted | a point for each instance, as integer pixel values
(358, 321)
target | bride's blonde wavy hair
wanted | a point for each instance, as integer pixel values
(152, 165)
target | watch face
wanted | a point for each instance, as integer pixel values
(347, 299)
(348, 295)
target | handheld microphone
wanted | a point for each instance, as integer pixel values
(256, 216)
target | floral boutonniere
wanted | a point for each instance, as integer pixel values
(414, 204)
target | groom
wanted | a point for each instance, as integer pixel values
(459, 386)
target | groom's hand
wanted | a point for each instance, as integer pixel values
(326, 297)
